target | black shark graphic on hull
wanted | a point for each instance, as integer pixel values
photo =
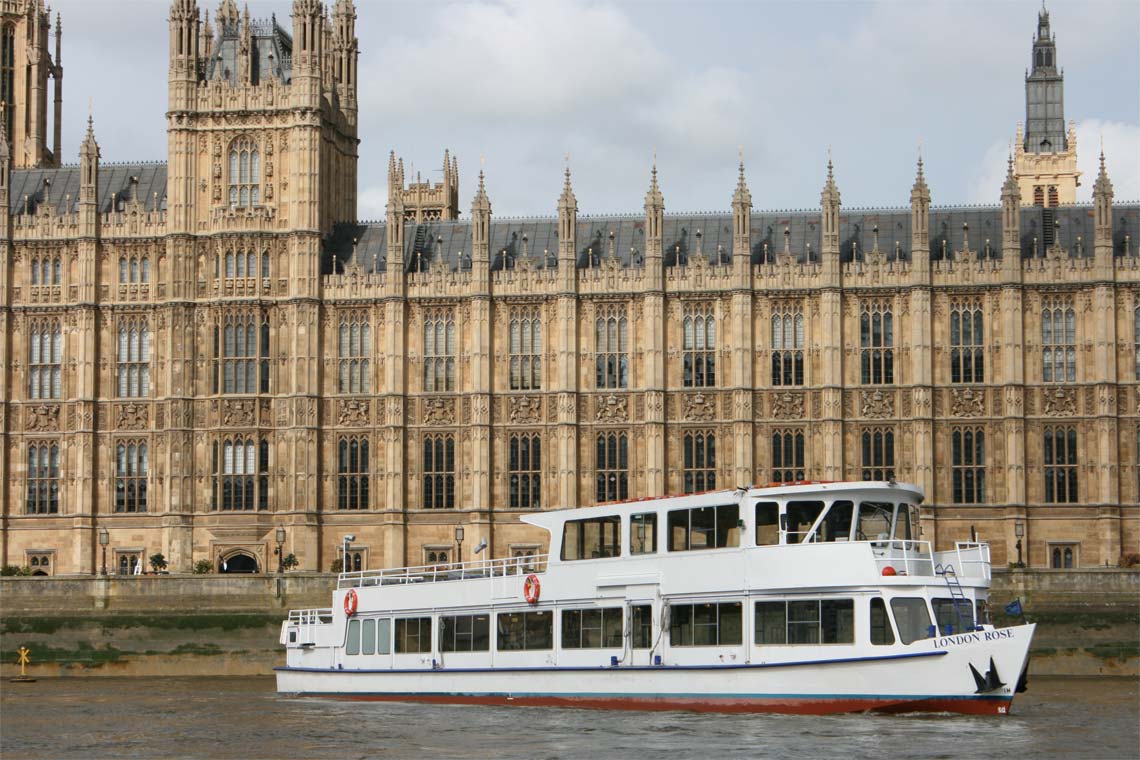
(990, 681)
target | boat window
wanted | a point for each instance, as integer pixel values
(705, 625)
(353, 644)
(836, 525)
(874, 521)
(464, 633)
(801, 516)
(912, 618)
(767, 523)
(951, 620)
(805, 621)
(643, 533)
(368, 636)
(704, 528)
(591, 628)
(881, 632)
(906, 523)
(592, 538)
(642, 626)
(413, 635)
(384, 636)
(525, 630)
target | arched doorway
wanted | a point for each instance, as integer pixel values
(239, 562)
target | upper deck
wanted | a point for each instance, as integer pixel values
(867, 529)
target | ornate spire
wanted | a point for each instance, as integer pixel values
(89, 145)
(920, 192)
(567, 199)
(480, 203)
(653, 198)
(742, 196)
(227, 15)
(1010, 188)
(1103, 186)
(830, 190)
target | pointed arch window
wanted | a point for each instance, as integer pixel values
(611, 467)
(699, 461)
(788, 346)
(611, 346)
(131, 468)
(241, 353)
(43, 479)
(352, 473)
(526, 351)
(45, 357)
(439, 351)
(1059, 342)
(698, 340)
(967, 343)
(439, 472)
(245, 174)
(241, 475)
(355, 344)
(132, 352)
(876, 341)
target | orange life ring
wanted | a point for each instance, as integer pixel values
(350, 602)
(531, 589)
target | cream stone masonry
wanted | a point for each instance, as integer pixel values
(201, 351)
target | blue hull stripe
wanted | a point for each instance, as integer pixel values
(594, 668)
(662, 695)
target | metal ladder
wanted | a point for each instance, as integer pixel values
(957, 595)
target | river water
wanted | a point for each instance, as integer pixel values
(93, 718)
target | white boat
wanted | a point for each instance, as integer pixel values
(798, 598)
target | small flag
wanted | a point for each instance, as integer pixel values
(1014, 607)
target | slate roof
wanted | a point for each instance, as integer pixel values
(64, 181)
(365, 244)
(271, 48)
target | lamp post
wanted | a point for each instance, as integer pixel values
(344, 567)
(459, 543)
(104, 539)
(1019, 531)
(280, 553)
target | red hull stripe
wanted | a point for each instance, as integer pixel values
(744, 704)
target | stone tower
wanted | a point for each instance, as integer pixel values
(26, 63)
(1046, 155)
(423, 200)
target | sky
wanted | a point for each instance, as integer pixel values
(608, 86)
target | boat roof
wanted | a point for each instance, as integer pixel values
(552, 519)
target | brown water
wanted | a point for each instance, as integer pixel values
(245, 718)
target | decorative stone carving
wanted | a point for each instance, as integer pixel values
(353, 413)
(877, 405)
(967, 402)
(1059, 401)
(700, 407)
(524, 410)
(439, 411)
(131, 416)
(612, 408)
(41, 417)
(238, 413)
(788, 405)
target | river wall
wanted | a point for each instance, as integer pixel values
(1088, 621)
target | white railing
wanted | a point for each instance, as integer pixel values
(903, 557)
(311, 617)
(971, 559)
(455, 571)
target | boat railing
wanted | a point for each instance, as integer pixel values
(318, 616)
(971, 559)
(454, 571)
(903, 557)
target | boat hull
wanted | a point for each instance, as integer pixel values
(973, 673)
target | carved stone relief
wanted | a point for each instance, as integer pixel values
(967, 402)
(525, 409)
(788, 405)
(439, 411)
(700, 407)
(1059, 401)
(41, 418)
(131, 416)
(877, 405)
(611, 408)
(354, 413)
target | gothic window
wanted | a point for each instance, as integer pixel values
(45, 356)
(131, 467)
(1136, 338)
(357, 561)
(241, 475)
(245, 174)
(525, 462)
(8, 77)
(1063, 556)
(526, 351)
(127, 562)
(699, 461)
(439, 472)
(611, 348)
(40, 563)
(352, 473)
(1058, 342)
(1038, 195)
(241, 352)
(439, 352)
(355, 341)
(611, 467)
(435, 556)
(243, 264)
(788, 347)
(968, 465)
(878, 454)
(698, 349)
(43, 478)
(46, 270)
(876, 341)
(788, 456)
(132, 353)
(967, 344)
(134, 269)
(1053, 200)
(1060, 465)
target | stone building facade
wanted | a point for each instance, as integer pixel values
(199, 352)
